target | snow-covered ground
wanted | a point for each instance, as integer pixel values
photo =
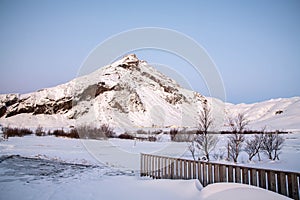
(61, 168)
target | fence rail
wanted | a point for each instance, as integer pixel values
(161, 167)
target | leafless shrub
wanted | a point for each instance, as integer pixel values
(88, 132)
(39, 131)
(13, 132)
(126, 136)
(152, 139)
(107, 130)
(272, 144)
(69, 134)
(173, 133)
(253, 145)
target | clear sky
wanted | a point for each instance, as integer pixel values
(255, 44)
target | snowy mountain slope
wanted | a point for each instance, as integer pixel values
(275, 114)
(130, 93)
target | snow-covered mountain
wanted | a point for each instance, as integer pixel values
(130, 93)
(127, 93)
(275, 114)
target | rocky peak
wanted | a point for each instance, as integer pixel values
(126, 89)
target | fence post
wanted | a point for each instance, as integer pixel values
(230, 173)
(216, 173)
(221, 173)
(271, 181)
(181, 169)
(238, 175)
(172, 168)
(262, 178)
(158, 168)
(194, 169)
(185, 169)
(245, 175)
(204, 174)
(209, 173)
(165, 167)
(281, 179)
(253, 177)
(199, 172)
(293, 186)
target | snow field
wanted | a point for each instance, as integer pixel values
(107, 182)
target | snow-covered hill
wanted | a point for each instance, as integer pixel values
(275, 114)
(130, 93)
(126, 93)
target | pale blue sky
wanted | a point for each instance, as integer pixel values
(255, 44)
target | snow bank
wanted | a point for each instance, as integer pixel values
(230, 191)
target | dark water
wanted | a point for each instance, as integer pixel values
(20, 168)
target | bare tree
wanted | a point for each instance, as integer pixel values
(205, 141)
(236, 139)
(254, 145)
(272, 144)
(192, 148)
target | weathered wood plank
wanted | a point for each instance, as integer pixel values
(230, 173)
(199, 172)
(159, 168)
(253, 177)
(282, 187)
(209, 171)
(189, 170)
(245, 175)
(238, 175)
(271, 181)
(185, 169)
(293, 186)
(262, 178)
(194, 170)
(204, 175)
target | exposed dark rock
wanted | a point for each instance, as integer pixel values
(176, 99)
(166, 88)
(11, 99)
(278, 112)
(2, 110)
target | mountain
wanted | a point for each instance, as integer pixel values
(127, 93)
(275, 114)
(131, 94)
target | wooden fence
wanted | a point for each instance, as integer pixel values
(161, 167)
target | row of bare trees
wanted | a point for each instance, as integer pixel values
(205, 142)
(269, 143)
